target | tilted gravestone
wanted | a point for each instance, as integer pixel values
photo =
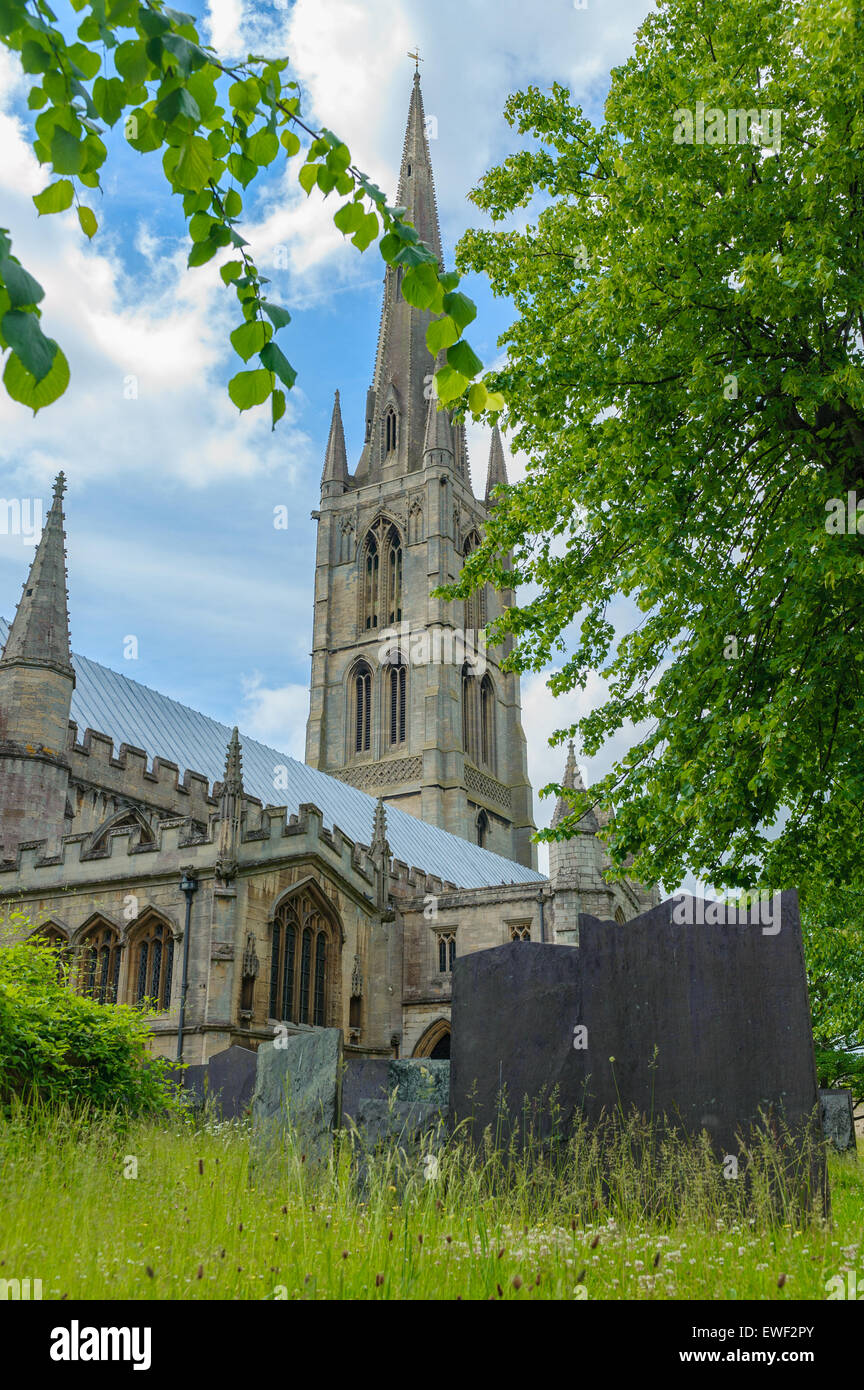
(838, 1118)
(297, 1088)
(231, 1080)
(703, 1020)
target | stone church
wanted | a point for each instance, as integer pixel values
(229, 886)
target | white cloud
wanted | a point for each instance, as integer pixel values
(275, 716)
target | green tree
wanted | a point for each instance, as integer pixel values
(59, 1047)
(685, 376)
(833, 927)
(217, 126)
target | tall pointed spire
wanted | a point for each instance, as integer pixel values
(573, 782)
(40, 628)
(438, 440)
(416, 184)
(397, 401)
(234, 765)
(497, 471)
(336, 459)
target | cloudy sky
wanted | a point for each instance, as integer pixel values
(171, 491)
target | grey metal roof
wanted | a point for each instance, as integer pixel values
(112, 704)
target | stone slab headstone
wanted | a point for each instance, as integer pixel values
(388, 1099)
(297, 1088)
(706, 1023)
(363, 1078)
(838, 1122)
(231, 1080)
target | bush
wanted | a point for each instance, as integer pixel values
(56, 1046)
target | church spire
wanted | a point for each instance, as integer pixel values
(497, 471)
(335, 459)
(573, 782)
(397, 401)
(40, 628)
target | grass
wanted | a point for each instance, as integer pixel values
(202, 1219)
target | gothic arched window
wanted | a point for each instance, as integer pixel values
(371, 566)
(59, 943)
(470, 715)
(361, 721)
(394, 577)
(303, 961)
(482, 828)
(390, 430)
(397, 681)
(475, 603)
(152, 964)
(99, 970)
(487, 723)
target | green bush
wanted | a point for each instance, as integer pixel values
(56, 1046)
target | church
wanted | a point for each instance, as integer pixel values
(231, 889)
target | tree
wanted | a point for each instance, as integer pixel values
(218, 126)
(685, 375)
(833, 927)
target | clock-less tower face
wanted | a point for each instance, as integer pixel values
(406, 702)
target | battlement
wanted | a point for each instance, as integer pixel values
(127, 774)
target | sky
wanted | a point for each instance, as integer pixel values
(171, 492)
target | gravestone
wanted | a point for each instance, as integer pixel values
(838, 1122)
(388, 1100)
(297, 1087)
(231, 1080)
(704, 1020)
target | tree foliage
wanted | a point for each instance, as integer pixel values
(58, 1047)
(217, 127)
(833, 927)
(685, 376)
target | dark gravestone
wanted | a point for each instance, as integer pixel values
(385, 1099)
(838, 1120)
(363, 1078)
(297, 1088)
(705, 1022)
(231, 1080)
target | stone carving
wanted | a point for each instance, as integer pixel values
(487, 787)
(383, 774)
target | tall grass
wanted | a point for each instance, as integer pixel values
(189, 1209)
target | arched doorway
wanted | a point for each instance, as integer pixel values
(435, 1042)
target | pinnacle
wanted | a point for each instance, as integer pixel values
(40, 628)
(234, 765)
(497, 471)
(336, 458)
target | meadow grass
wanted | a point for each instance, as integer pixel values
(204, 1217)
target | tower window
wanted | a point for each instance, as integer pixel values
(394, 579)
(398, 683)
(482, 828)
(370, 592)
(390, 431)
(381, 576)
(363, 710)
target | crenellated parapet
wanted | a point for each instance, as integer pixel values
(92, 762)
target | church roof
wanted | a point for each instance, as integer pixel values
(109, 703)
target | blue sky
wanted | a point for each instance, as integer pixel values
(171, 495)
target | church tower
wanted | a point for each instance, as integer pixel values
(36, 684)
(405, 701)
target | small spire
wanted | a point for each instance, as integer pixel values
(379, 844)
(40, 628)
(233, 781)
(336, 459)
(572, 782)
(497, 471)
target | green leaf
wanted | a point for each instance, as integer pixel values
(109, 98)
(420, 286)
(460, 308)
(20, 285)
(131, 61)
(35, 57)
(308, 177)
(23, 387)
(175, 104)
(249, 388)
(231, 270)
(185, 56)
(86, 61)
(199, 226)
(441, 334)
(67, 155)
(366, 232)
(244, 95)
(464, 359)
(449, 384)
(278, 405)
(201, 253)
(87, 218)
(57, 197)
(348, 218)
(278, 317)
(273, 358)
(21, 332)
(195, 164)
(291, 141)
(263, 147)
(250, 338)
(233, 203)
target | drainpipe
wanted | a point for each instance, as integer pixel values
(188, 885)
(542, 919)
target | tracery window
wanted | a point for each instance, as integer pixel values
(390, 430)
(303, 961)
(99, 970)
(397, 679)
(152, 963)
(381, 576)
(482, 828)
(362, 708)
(520, 931)
(487, 723)
(446, 951)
